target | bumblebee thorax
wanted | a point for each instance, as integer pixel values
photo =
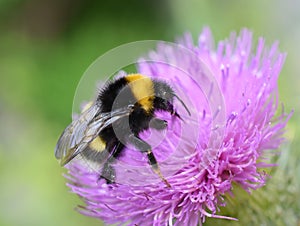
(143, 90)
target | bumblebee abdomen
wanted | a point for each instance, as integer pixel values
(98, 144)
(96, 151)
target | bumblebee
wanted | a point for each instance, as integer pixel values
(122, 109)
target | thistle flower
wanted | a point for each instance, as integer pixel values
(200, 157)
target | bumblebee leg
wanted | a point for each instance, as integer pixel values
(146, 148)
(108, 172)
(158, 124)
(172, 111)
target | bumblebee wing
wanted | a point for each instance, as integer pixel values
(71, 137)
(85, 129)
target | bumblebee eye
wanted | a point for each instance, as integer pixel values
(167, 96)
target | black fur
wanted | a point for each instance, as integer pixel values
(117, 94)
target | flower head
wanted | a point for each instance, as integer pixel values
(231, 91)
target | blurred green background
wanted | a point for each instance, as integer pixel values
(45, 47)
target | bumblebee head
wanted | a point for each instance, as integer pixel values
(164, 97)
